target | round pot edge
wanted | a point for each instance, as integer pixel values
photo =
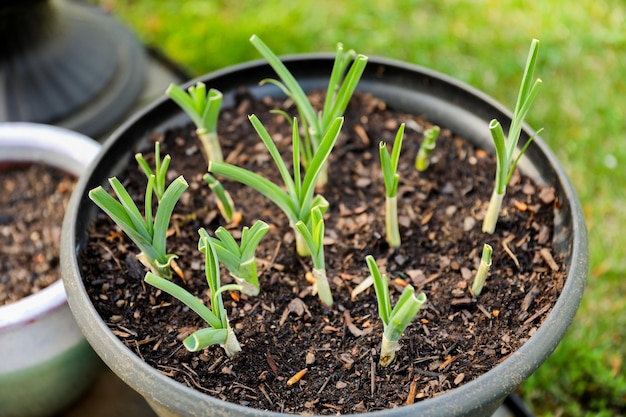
(565, 309)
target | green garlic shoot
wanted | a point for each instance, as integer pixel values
(397, 320)
(204, 110)
(389, 165)
(239, 259)
(483, 269)
(219, 330)
(149, 233)
(225, 202)
(505, 148)
(160, 170)
(313, 236)
(426, 148)
(297, 200)
(341, 87)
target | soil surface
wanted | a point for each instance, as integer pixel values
(33, 199)
(285, 330)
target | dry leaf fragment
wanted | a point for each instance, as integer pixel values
(459, 378)
(410, 399)
(295, 306)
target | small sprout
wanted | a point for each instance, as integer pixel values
(505, 148)
(483, 269)
(426, 148)
(149, 233)
(224, 200)
(204, 110)
(219, 330)
(397, 320)
(297, 201)
(313, 237)
(389, 164)
(239, 259)
(341, 87)
(160, 170)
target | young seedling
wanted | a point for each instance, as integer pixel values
(224, 200)
(313, 237)
(219, 330)
(483, 269)
(505, 148)
(149, 233)
(239, 259)
(160, 170)
(397, 320)
(389, 165)
(297, 201)
(426, 148)
(340, 89)
(204, 110)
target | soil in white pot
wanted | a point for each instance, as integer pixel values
(33, 199)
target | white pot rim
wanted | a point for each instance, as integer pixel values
(54, 146)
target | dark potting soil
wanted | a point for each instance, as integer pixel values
(33, 199)
(454, 339)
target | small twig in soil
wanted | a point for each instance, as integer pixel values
(505, 246)
(271, 362)
(539, 313)
(272, 262)
(138, 350)
(373, 376)
(530, 297)
(267, 397)
(410, 399)
(323, 386)
(547, 256)
(215, 364)
(428, 373)
(484, 311)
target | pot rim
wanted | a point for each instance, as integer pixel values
(62, 148)
(476, 392)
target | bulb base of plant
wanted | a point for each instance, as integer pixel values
(479, 280)
(322, 178)
(422, 161)
(162, 270)
(231, 346)
(388, 349)
(210, 143)
(248, 277)
(493, 212)
(321, 287)
(301, 246)
(391, 222)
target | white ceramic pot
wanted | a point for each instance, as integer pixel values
(45, 362)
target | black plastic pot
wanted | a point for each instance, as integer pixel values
(444, 101)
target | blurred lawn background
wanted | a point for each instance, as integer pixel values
(582, 107)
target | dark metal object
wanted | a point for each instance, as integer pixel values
(69, 64)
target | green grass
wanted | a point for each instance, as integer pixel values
(484, 43)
